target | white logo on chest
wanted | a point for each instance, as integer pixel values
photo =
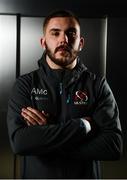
(38, 91)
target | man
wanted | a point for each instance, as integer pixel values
(63, 119)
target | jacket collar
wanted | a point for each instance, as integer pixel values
(73, 76)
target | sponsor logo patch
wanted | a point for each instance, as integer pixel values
(38, 91)
(39, 94)
(81, 98)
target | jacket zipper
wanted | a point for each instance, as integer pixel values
(61, 87)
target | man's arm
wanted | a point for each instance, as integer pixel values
(71, 137)
(35, 117)
(107, 142)
(38, 139)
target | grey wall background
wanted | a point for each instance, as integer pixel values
(99, 32)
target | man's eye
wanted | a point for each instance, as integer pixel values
(72, 34)
(55, 33)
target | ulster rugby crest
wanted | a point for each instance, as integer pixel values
(81, 98)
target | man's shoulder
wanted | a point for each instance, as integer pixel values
(26, 79)
(97, 80)
(28, 76)
(92, 75)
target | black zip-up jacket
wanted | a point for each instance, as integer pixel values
(63, 148)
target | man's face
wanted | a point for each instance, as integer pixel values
(62, 40)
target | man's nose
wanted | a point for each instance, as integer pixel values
(63, 38)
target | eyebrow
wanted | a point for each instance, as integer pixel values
(72, 29)
(54, 29)
(57, 29)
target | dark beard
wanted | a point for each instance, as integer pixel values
(60, 62)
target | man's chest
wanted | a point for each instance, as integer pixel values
(75, 101)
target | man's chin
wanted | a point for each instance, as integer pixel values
(61, 61)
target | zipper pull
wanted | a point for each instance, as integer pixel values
(61, 88)
(68, 98)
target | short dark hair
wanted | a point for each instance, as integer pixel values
(59, 13)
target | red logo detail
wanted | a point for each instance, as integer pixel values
(80, 97)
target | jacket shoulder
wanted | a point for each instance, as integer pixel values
(93, 76)
(25, 81)
(97, 82)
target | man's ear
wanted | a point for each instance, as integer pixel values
(82, 43)
(42, 41)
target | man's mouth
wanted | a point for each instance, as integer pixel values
(62, 49)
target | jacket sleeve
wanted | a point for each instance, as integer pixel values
(107, 142)
(37, 139)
